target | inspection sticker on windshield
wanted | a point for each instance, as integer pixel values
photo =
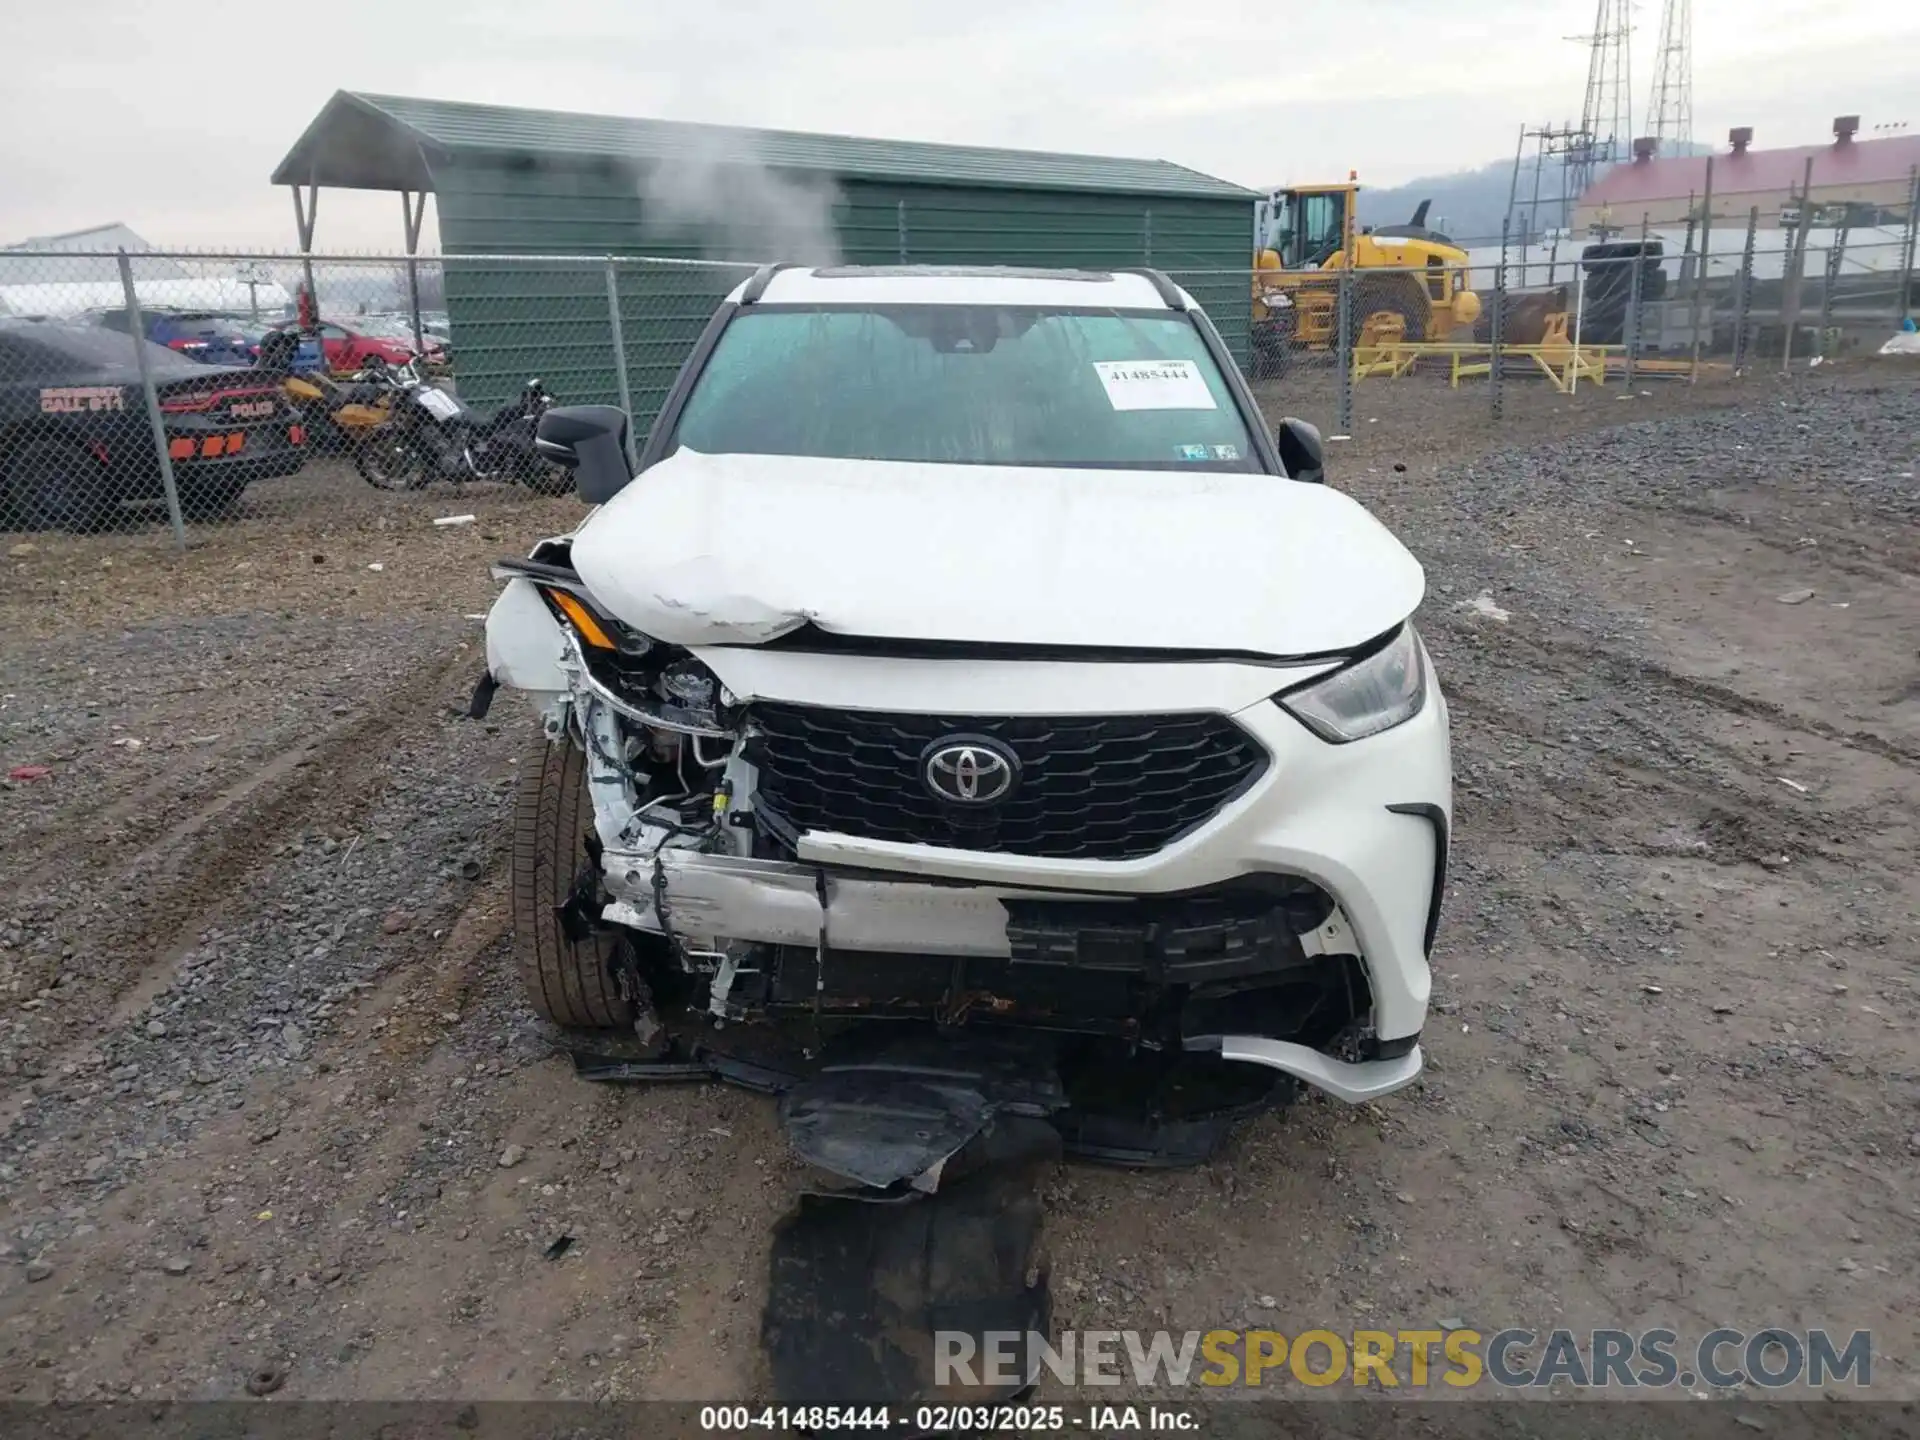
(1154, 385)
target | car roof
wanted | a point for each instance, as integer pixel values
(959, 285)
(96, 346)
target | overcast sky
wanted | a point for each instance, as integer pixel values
(170, 117)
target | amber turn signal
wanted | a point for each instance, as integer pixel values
(588, 628)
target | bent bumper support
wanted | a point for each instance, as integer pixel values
(776, 902)
(1352, 1081)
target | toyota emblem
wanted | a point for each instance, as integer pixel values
(969, 770)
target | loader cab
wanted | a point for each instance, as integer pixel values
(1304, 227)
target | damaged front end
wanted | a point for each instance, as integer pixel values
(1159, 1018)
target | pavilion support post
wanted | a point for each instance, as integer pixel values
(304, 214)
(413, 206)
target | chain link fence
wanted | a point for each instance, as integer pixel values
(186, 390)
(1715, 300)
(183, 390)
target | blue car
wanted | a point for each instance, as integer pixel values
(203, 335)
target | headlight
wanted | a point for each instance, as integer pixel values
(1386, 689)
(596, 631)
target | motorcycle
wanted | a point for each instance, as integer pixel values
(429, 435)
(339, 413)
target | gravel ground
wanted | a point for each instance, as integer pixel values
(265, 1066)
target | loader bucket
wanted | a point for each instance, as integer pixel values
(1526, 317)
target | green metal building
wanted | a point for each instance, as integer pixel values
(603, 188)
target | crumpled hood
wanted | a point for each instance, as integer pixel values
(740, 549)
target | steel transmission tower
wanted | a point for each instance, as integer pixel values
(1606, 115)
(1670, 110)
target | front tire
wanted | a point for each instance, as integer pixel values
(387, 461)
(570, 982)
(1399, 295)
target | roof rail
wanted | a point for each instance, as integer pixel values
(763, 277)
(1167, 290)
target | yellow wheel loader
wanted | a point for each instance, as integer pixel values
(1305, 236)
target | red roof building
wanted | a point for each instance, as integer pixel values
(1878, 173)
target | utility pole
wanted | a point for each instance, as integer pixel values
(1795, 267)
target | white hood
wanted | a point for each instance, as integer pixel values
(720, 549)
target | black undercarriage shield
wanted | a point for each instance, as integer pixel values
(858, 1294)
(885, 1111)
(1150, 1111)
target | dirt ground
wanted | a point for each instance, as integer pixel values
(273, 1109)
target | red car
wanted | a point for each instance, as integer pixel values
(349, 350)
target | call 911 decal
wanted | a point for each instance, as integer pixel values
(76, 399)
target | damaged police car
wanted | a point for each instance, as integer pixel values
(970, 708)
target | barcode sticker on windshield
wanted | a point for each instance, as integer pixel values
(1154, 385)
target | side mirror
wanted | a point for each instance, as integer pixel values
(1301, 450)
(590, 439)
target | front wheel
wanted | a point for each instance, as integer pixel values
(387, 461)
(566, 964)
(1398, 295)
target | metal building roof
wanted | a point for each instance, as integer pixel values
(390, 142)
(26, 263)
(1858, 162)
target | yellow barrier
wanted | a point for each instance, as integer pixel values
(1558, 359)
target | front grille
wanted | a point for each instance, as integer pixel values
(1091, 787)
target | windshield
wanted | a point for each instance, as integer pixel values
(1305, 230)
(970, 385)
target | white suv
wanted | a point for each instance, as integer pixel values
(966, 652)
